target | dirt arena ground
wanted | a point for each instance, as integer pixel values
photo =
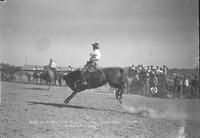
(30, 111)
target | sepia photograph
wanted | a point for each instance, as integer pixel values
(99, 69)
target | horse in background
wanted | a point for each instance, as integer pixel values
(28, 76)
(49, 76)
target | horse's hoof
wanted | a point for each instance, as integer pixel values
(120, 101)
(144, 113)
(66, 102)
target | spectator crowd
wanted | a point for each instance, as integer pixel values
(156, 81)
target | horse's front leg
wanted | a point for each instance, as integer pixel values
(128, 87)
(117, 94)
(120, 95)
(49, 86)
(70, 97)
(55, 82)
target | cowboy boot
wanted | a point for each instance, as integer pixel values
(84, 82)
(83, 76)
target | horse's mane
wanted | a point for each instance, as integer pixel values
(46, 67)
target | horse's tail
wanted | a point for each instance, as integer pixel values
(123, 78)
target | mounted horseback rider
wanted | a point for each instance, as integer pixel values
(91, 65)
(94, 57)
(91, 76)
(52, 66)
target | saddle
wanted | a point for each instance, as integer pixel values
(46, 68)
(90, 67)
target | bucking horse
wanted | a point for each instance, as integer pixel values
(116, 77)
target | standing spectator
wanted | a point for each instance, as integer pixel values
(59, 69)
(155, 79)
(133, 67)
(186, 86)
(164, 72)
(175, 91)
(157, 69)
(148, 85)
(142, 77)
(152, 82)
(148, 69)
(139, 68)
(151, 68)
(161, 71)
(69, 68)
(195, 87)
(181, 83)
(165, 69)
(160, 83)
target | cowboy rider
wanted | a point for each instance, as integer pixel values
(94, 57)
(96, 54)
(69, 68)
(52, 65)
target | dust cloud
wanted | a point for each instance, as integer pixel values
(170, 113)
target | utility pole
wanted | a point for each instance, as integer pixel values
(25, 60)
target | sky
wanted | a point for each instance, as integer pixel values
(148, 32)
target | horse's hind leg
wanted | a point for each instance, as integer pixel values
(49, 86)
(117, 94)
(70, 97)
(120, 94)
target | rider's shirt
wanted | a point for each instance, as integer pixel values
(59, 69)
(52, 65)
(69, 68)
(186, 83)
(95, 55)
